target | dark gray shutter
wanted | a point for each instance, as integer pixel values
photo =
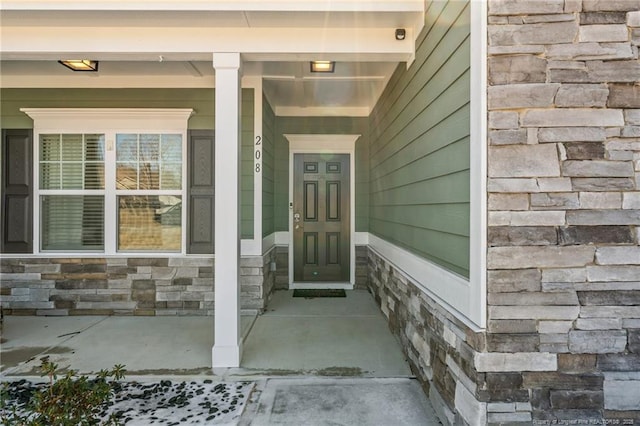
(16, 209)
(200, 154)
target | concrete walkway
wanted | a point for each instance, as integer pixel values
(329, 360)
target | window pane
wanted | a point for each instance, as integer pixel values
(72, 148)
(149, 176)
(93, 176)
(171, 148)
(72, 222)
(72, 176)
(49, 147)
(171, 176)
(150, 222)
(50, 176)
(71, 161)
(153, 160)
(127, 176)
(94, 145)
(126, 147)
(149, 147)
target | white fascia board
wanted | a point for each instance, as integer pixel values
(221, 5)
(35, 42)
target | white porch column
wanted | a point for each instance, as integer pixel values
(227, 347)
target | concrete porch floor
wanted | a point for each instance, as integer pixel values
(298, 346)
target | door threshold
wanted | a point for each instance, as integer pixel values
(320, 286)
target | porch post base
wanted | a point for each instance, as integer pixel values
(226, 356)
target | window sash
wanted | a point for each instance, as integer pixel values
(72, 222)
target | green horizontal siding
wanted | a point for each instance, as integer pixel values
(246, 165)
(419, 151)
(268, 179)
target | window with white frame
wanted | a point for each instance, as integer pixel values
(115, 183)
(72, 192)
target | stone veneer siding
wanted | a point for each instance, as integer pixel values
(564, 211)
(439, 347)
(563, 336)
(125, 286)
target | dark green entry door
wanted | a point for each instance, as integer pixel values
(321, 218)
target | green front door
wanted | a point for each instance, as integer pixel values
(321, 218)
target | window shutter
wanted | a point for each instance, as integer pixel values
(16, 210)
(200, 154)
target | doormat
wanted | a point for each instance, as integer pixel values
(310, 293)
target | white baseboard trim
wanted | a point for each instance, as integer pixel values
(450, 290)
(361, 238)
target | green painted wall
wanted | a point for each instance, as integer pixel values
(201, 100)
(419, 152)
(246, 166)
(321, 125)
(268, 171)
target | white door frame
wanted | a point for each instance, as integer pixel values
(330, 144)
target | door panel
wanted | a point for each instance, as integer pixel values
(321, 227)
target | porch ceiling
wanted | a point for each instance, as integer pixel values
(170, 44)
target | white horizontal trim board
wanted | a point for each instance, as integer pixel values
(99, 119)
(281, 238)
(449, 289)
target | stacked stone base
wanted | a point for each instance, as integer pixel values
(439, 347)
(126, 286)
(506, 375)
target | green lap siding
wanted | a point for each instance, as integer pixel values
(268, 178)
(419, 145)
(202, 101)
(246, 165)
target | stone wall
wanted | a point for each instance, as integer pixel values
(564, 211)
(125, 286)
(439, 347)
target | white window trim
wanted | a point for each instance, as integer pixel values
(324, 143)
(108, 121)
(478, 166)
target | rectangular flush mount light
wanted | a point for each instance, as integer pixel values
(80, 64)
(322, 66)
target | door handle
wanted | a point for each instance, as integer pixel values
(296, 221)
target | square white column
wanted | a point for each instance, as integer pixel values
(227, 347)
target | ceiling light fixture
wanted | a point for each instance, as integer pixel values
(80, 64)
(323, 66)
(400, 34)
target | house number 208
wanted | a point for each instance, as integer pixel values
(257, 155)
